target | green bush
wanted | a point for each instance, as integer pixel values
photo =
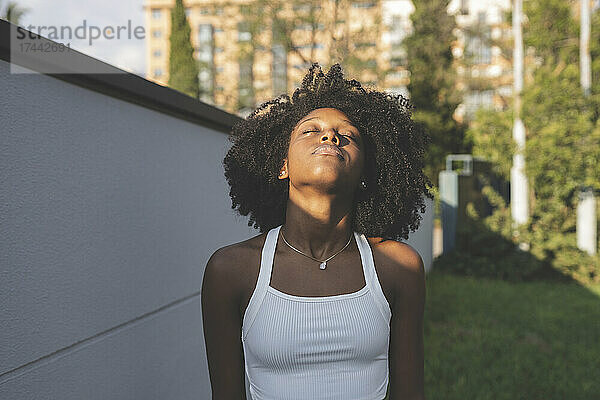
(561, 156)
(488, 247)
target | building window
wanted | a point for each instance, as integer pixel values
(363, 4)
(156, 33)
(279, 69)
(157, 53)
(204, 11)
(244, 34)
(205, 53)
(398, 29)
(305, 8)
(399, 61)
(245, 9)
(158, 72)
(246, 98)
(303, 66)
(477, 49)
(310, 45)
(188, 11)
(309, 27)
(205, 40)
(481, 17)
(245, 88)
(363, 45)
(464, 7)
(205, 33)
(398, 56)
(399, 75)
(219, 10)
(477, 99)
(156, 13)
(205, 80)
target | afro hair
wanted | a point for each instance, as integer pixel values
(394, 155)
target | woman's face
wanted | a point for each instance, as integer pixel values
(325, 150)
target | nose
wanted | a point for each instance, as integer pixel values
(330, 135)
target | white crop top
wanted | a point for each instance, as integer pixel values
(316, 348)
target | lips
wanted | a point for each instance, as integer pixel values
(329, 149)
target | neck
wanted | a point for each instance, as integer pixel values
(318, 225)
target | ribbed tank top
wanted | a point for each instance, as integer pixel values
(330, 347)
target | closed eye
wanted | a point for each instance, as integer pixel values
(346, 135)
(350, 136)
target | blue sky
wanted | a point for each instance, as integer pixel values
(124, 53)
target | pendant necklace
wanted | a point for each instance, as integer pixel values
(323, 263)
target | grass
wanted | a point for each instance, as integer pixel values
(490, 339)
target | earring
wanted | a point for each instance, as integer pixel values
(363, 185)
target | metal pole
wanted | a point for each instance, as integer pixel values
(584, 48)
(519, 188)
(586, 206)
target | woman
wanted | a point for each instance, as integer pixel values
(311, 308)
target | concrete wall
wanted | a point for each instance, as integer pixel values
(108, 214)
(422, 239)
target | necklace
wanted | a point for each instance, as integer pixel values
(323, 263)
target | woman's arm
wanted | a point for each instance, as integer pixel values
(406, 335)
(222, 328)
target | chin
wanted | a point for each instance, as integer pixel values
(332, 183)
(328, 177)
(327, 173)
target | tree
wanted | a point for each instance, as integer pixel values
(432, 83)
(12, 12)
(563, 135)
(183, 68)
(490, 133)
(479, 45)
(563, 144)
(293, 31)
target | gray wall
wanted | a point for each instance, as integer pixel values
(108, 214)
(422, 239)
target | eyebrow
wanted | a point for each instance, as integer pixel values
(308, 119)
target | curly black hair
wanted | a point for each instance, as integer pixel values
(394, 155)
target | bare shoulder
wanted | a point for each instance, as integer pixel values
(397, 255)
(234, 259)
(235, 264)
(399, 265)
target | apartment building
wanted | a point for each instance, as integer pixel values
(483, 64)
(236, 79)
